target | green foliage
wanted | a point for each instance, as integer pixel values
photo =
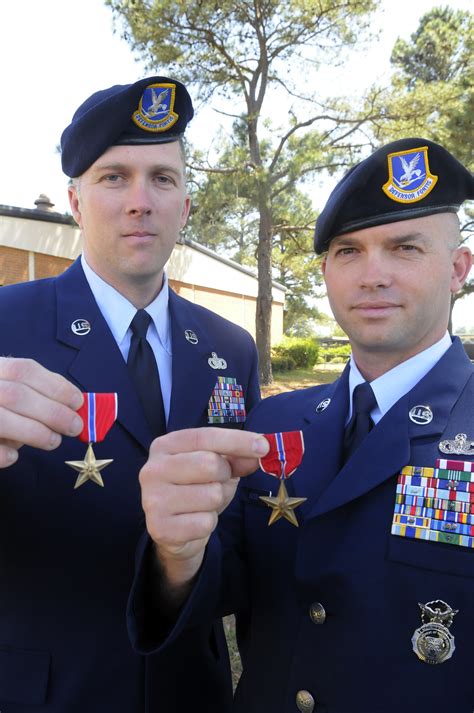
(439, 50)
(432, 93)
(334, 353)
(303, 352)
(282, 363)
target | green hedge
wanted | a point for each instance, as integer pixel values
(303, 352)
(337, 354)
(282, 363)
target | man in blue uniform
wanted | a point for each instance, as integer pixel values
(366, 606)
(67, 544)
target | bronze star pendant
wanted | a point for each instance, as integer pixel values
(282, 505)
(89, 468)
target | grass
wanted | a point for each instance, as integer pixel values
(302, 378)
(283, 381)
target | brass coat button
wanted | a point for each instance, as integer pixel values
(317, 613)
(305, 701)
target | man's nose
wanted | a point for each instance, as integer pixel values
(375, 271)
(139, 199)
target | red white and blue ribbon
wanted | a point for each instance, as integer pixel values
(98, 412)
(285, 454)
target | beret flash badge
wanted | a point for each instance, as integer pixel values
(155, 110)
(409, 176)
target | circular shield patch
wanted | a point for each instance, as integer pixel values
(421, 415)
(81, 327)
(322, 406)
(191, 336)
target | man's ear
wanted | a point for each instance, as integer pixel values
(462, 263)
(74, 202)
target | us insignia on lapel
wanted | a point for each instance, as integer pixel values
(436, 504)
(227, 403)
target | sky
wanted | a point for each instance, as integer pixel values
(56, 53)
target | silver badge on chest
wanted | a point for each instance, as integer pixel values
(433, 643)
(460, 446)
(216, 362)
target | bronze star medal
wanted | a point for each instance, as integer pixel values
(285, 455)
(89, 468)
(98, 413)
(282, 505)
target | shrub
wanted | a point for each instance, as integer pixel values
(282, 363)
(334, 354)
(303, 351)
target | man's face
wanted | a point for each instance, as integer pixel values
(390, 286)
(130, 205)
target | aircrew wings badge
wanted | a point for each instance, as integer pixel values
(283, 458)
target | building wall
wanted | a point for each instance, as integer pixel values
(13, 265)
(33, 249)
(49, 265)
(239, 309)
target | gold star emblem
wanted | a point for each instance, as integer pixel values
(282, 505)
(89, 468)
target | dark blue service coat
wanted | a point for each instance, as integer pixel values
(343, 557)
(67, 556)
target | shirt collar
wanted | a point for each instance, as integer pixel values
(391, 386)
(118, 312)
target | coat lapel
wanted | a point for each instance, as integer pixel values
(387, 448)
(97, 363)
(193, 379)
(323, 442)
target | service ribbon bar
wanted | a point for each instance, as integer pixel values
(285, 454)
(436, 504)
(98, 412)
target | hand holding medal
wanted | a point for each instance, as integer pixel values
(98, 412)
(283, 458)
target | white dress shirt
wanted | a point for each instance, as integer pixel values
(391, 386)
(118, 312)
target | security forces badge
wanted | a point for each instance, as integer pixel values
(155, 110)
(409, 176)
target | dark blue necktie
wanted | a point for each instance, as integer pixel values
(363, 402)
(144, 372)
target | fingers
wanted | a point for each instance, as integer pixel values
(190, 478)
(37, 406)
(32, 374)
(8, 454)
(242, 448)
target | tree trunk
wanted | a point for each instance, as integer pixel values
(263, 318)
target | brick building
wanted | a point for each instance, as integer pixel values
(37, 243)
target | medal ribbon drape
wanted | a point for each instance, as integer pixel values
(98, 413)
(144, 372)
(283, 458)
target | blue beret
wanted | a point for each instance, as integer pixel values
(405, 179)
(153, 110)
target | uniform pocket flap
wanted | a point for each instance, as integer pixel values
(23, 676)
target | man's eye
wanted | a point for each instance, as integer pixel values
(345, 251)
(112, 177)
